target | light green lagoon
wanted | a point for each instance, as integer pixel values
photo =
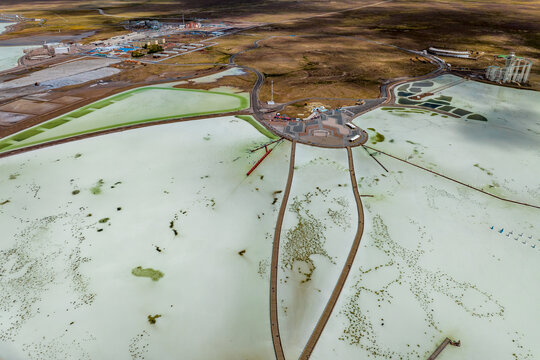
(496, 155)
(131, 107)
(9, 54)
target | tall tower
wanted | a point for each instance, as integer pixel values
(510, 59)
(509, 68)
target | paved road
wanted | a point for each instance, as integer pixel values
(308, 349)
(254, 95)
(274, 321)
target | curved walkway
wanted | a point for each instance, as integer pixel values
(308, 349)
(274, 323)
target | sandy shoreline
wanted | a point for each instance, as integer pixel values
(37, 39)
(8, 28)
(40, 39)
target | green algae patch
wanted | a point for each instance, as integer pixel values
(476, 117)
(97, 188)
(155, 275)
(258, 126)
(377, 138)
(483, 169)
(152, 319)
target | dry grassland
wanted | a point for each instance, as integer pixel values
(304, 67)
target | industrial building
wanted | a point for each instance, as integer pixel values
(148, 42)
(451, 53)
(516, 70)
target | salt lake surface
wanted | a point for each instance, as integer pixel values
(130, 107)
(436, 259)
(496, 155)
(430, 266)
(318, 230)
(9, 54)
(174, 198)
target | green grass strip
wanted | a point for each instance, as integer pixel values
(81, 112)
(258, 126)
(54, 123)
(6, 144)
(26, 134)
(123, 96)
(101, 104)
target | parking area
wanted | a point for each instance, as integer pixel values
(331, 128)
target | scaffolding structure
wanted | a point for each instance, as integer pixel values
(516, 70)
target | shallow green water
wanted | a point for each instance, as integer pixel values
(131, 107)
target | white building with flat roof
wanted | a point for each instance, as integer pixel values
(61, 50)
(451, 53)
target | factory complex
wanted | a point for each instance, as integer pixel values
(516, 70)
(147, 40)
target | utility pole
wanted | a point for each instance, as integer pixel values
(183, 22)
(272, 86)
